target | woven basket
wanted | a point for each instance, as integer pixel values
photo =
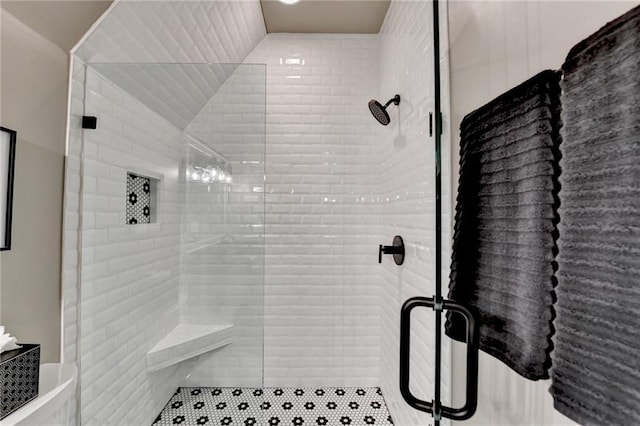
(19, 376)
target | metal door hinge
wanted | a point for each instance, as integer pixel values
(89, 122)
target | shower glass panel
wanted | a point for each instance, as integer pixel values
(171, 284)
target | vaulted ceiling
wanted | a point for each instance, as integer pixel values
(325, 16)
(63, 22)
(173, 56)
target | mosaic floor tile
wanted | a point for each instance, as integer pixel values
(276, 407)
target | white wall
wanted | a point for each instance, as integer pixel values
(407, 181)
(222, 278)
(338, 184)
(321, 321)
(34, 79)
(321, 292)
(139, 32)
(220, 31)
(72, 216)
(495, 45)
(129, 273)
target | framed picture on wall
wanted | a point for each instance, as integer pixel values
(7, 165)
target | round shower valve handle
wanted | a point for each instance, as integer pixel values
(397, 250)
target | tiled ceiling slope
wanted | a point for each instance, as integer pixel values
(176, 92)
(222, 31)
(173, 32)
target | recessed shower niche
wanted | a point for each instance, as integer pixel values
(141, 199)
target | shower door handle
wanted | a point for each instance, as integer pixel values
(471, 403)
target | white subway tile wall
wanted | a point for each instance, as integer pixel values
(221, 31)
(177, 93)
(321, 292)
(72, 213)
(337, 185)
(130, 273)
(406, 181)
(222, 279)
(139, 32)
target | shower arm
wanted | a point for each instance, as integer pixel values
(395, 100)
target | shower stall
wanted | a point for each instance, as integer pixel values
(227, 192)
(181, 148)
(229, 201)
(173, 210)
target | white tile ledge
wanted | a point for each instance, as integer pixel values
(188, 341)
(56, 387)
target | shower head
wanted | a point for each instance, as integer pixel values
(380, 112)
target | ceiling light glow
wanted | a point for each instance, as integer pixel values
(289, 1)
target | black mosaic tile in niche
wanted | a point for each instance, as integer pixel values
(138, 199)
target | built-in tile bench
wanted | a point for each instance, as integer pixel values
(188, 341)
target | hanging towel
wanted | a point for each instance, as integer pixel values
(596, 358)
(505, 224)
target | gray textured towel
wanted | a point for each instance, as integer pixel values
(505, 230)
(596, 360)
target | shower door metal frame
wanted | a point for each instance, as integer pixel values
(437, 303)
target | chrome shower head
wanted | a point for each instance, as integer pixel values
(380, 112)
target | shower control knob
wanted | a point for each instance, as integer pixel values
(397, 250)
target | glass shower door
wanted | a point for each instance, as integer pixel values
(223, 238)
(172, 243)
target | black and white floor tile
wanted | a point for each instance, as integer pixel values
(276, 407)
